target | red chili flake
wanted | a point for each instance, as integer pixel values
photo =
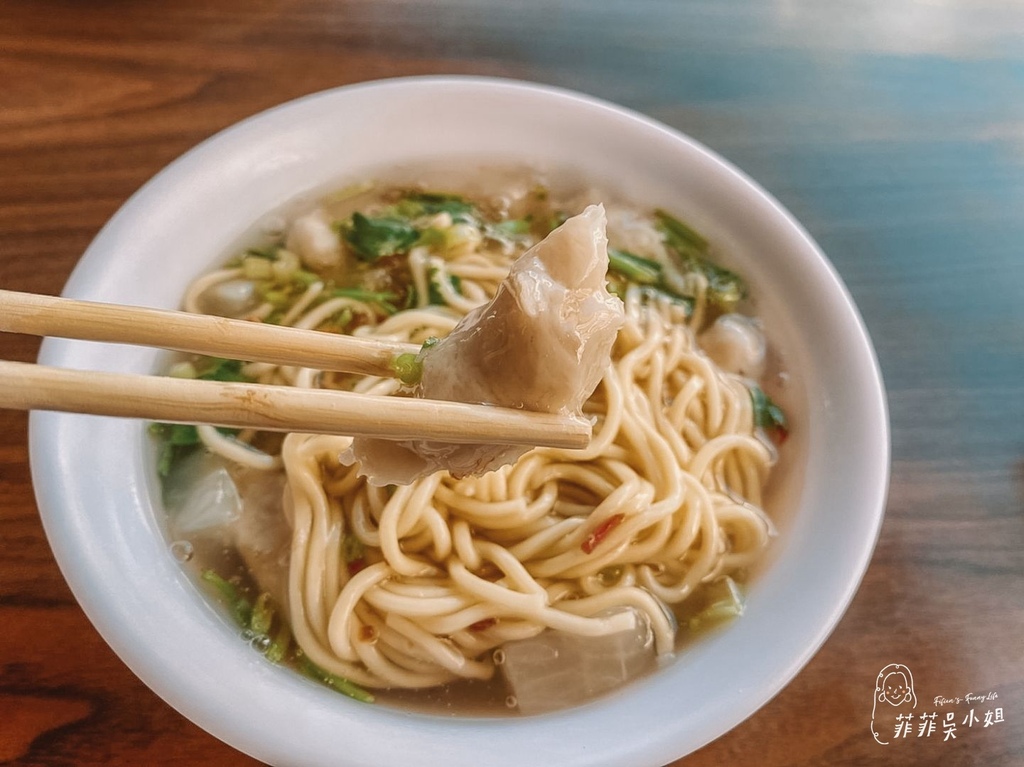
(780, 434)
(601, 532)
(356, 565)
(367, 633)
(483, 625)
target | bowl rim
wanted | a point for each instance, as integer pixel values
(69, 523)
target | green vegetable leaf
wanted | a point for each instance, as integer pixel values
(416, 204)
(767, 415)
(176, 434)
(373, 238)
(435, 297)
(511, 229)
(217, 369)
(179, 439)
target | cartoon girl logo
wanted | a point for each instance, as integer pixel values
(894, 689)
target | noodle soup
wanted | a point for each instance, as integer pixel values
(533, 587)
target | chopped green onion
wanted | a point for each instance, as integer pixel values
(626, 267)
(725, 287)
(617, 287)
(352, 548)
(408, 368)
(286, 265)
(642, 271)
(676, 298)
(459, 238)
(262, 614)
(182, 370)
(165, 462)
(239, 605)
(381, 299)
(257, 268)
(304, 278)
(727, 603)
(339, 683)
(340, 320)
(269, 253)
(277, 298)
(678, 235)
(279, 643)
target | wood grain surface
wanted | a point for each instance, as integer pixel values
(893, 129)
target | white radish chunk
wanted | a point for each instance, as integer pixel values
(557, 670)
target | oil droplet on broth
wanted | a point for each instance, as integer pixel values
(182, 551)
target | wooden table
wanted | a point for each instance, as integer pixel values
(893, 129)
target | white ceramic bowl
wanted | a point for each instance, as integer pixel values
(99, 495)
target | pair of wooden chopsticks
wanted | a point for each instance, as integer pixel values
(25, 386)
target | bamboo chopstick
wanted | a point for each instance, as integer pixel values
(238, 405)
(24, 386)
(196, 333)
